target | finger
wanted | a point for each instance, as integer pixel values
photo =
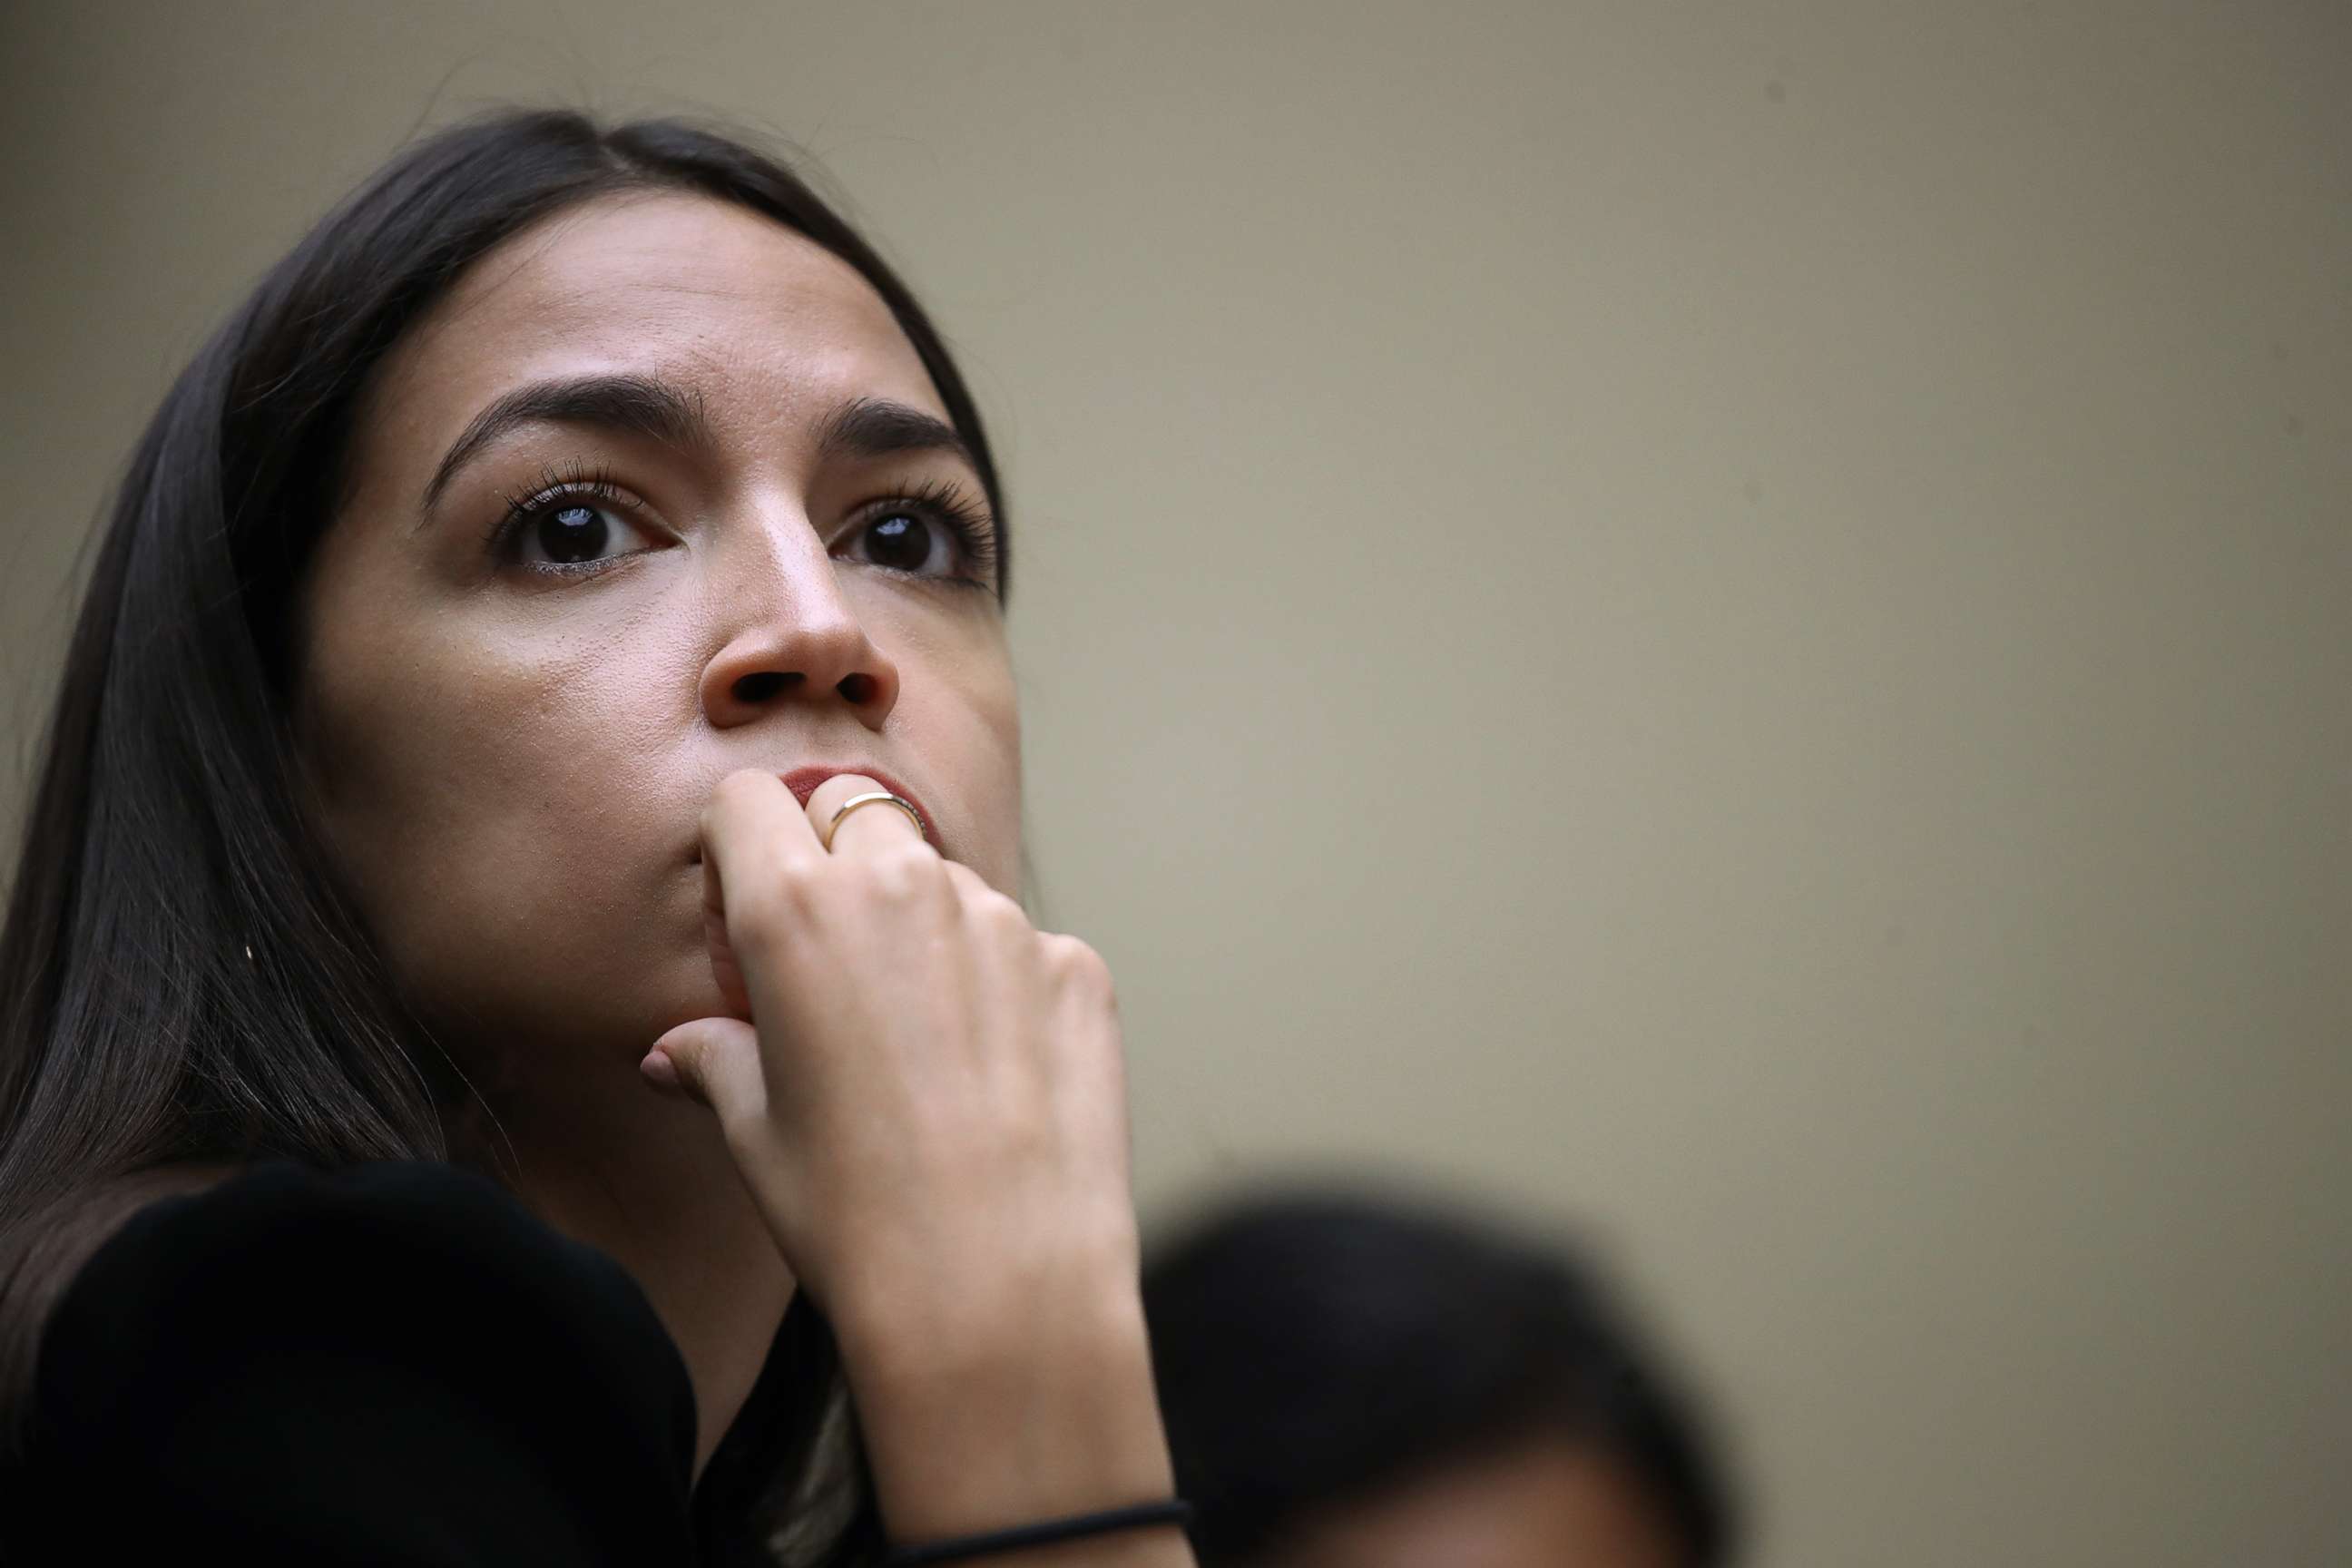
(869, 828)
(719, 943)
(714, 1062)
(752, 830)
(970, 885)
(753, 824)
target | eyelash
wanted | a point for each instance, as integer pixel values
(939, 500)
(949, 503)
(572, 482)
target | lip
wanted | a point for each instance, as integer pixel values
(802, 783)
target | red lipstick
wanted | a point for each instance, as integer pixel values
(802, 783)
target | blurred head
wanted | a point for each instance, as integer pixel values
(1353, 1384)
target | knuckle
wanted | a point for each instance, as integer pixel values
(1081, 965)
(903, 874)
(797, 885)
(919, 863)
(996, 913)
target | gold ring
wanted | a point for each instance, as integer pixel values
(873, 797)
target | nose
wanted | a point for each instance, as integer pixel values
(797, 640)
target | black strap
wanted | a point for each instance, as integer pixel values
(1137, 1515)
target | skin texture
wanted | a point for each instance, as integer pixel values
(512, 766)
(1553, 1504)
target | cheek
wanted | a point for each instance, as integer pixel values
(961, 713)
(998, 800)
(500, 810)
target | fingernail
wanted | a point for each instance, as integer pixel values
(660, 1071)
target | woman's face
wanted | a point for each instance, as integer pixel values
(659, 491)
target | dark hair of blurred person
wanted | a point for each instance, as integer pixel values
(1353, 1383)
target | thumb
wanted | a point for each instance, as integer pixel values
(714, 1062)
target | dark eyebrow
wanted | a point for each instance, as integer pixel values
(875, 428)
(636, 405)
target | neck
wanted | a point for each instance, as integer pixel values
(649, 1181)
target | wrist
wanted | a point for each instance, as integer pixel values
(905, 1342)
(932, 1305)
(1089, 1528)
(976, 1420)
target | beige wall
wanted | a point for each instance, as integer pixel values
(1730, 622)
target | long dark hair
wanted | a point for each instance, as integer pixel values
(182, 982)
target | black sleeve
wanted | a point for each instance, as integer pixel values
(391, 1365)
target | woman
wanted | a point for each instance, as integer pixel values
(512, 1002)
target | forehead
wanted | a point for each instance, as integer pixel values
(762, 324)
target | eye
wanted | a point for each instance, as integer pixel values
(937, 532)
(573, 526)
(905, 540)
(568, 531)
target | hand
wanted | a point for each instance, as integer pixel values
(925, 1095)
(928, 1100)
